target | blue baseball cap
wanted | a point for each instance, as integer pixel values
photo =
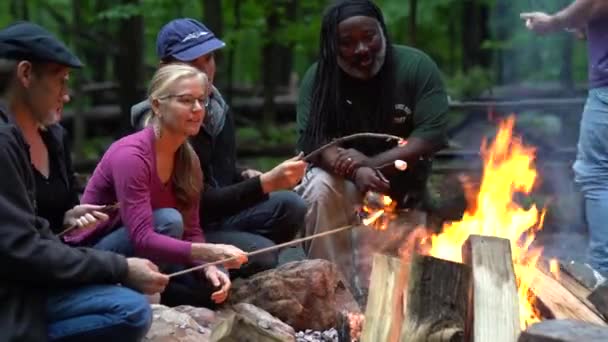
(186, 39)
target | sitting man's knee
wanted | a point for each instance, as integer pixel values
(293, 207)
(169, 221)
(133, 310)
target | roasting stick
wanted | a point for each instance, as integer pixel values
(105, 209)
(366, 222)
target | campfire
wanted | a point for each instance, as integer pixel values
(480, 279)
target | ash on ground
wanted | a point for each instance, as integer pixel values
(330, 335)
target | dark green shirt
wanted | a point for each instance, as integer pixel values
(420, 99)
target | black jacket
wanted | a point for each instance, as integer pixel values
(58, 146)
(32, 259)
(225, 192)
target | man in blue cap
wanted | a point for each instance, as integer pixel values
(51, 291)
(242, 207)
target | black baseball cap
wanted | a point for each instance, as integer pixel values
(27, 41)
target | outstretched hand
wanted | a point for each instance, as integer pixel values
(540, 22)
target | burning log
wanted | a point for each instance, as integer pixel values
(437, 299)
(384, 312)
(555, 301)
(564, 331)
(495, 302)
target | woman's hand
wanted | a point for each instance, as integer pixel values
(215, 251)
(85, 216)
(219, 280)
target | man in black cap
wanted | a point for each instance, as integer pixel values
(51, 291)
(241, 207)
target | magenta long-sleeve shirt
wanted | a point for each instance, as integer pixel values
(127, 174)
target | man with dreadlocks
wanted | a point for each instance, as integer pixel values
(363, 83)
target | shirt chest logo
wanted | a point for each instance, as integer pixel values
(402, 113)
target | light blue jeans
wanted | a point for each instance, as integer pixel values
(591, 175)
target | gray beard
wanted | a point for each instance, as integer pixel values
(376, 64)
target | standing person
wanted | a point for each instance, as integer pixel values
(363, 83)
(156, 178)
(591, 166)
(242, 207)
(51, 291)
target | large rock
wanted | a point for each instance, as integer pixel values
(170, 325)
(246, 322)
(301, 294)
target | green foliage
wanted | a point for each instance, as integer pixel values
(470, 84)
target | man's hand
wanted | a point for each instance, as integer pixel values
(539, 22)
(250, 173)
(219, 280)
(348, 160)
(284, 176)
(85, 216)
(367, 179)
(144, 276)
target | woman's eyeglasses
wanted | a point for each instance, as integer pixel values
(188, 100)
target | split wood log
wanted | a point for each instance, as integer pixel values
(384, 312)
(437, 300)
(570, 283)
(564, 331)
(495, 302)
(246, 322)
(599, 298)
(555, 301)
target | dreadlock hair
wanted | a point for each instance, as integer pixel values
(329, 117)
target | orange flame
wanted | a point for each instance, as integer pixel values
(508, 168)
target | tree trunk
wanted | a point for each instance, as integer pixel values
(412, 21)
(269, 63)
(212, 12)
(284, 52)
(79, 125)
(129, 65)
(231, 53)
(475, 31)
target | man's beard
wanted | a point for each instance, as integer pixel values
(376, 64)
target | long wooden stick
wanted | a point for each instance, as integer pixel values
(264, 250)
(309, 157)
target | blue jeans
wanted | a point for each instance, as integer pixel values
(591, 174)
(187, 289)
(97, 313)
(274, 221)
(167, 221)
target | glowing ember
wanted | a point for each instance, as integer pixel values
(554, 268)
(377, 210)
(355, 323)
(507, 169)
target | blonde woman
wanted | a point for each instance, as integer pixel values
(155, 176)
